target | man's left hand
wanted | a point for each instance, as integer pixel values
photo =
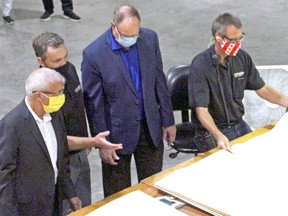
(169, 134)
(75, 203)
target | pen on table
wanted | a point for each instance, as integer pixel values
(229, 151)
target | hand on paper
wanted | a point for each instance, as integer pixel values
(108, 156)
(223, 142)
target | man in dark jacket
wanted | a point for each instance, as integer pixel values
(34, 160)
(125, 92)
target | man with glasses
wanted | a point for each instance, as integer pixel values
(52, 53)
(34, 162)
(218, 78)
(125, 91)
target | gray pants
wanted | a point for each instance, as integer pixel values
(80, 175)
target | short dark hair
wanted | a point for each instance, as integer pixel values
(45, 40)
(123, 11)
(222, 21)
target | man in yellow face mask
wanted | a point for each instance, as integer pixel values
(55, 102)
(33, 151)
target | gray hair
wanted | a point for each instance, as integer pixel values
(123, 11)
(39, 80)
(222, 21)
(45, 40)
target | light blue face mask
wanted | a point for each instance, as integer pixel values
(127, 41)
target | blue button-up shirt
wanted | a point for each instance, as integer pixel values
(131, 60)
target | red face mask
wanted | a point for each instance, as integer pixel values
(230, 49)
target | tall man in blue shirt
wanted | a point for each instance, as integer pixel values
(125, 91)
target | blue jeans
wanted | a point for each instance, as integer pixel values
(238, 130)
(204, 141)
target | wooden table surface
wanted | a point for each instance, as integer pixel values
(147, 185)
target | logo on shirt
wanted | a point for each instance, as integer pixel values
(78, 88)
(239, 74)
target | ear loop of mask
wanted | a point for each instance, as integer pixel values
(217, 37)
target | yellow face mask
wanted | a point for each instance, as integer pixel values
(55, 103)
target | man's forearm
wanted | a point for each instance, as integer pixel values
(79, 143)
(207, 121)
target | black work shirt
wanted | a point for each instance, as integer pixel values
(73, 109)
(239, 74)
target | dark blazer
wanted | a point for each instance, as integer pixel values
(27, 183)
(110, 98)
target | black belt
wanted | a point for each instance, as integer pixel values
(232, 124)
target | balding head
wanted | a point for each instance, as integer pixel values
(124, 11)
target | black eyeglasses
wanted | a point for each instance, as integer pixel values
(122, 36)
(235, 40)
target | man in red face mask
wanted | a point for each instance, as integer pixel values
(218, 78)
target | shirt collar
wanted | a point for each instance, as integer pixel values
(114, 44)
(46, 117)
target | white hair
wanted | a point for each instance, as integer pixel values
(39, 80)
